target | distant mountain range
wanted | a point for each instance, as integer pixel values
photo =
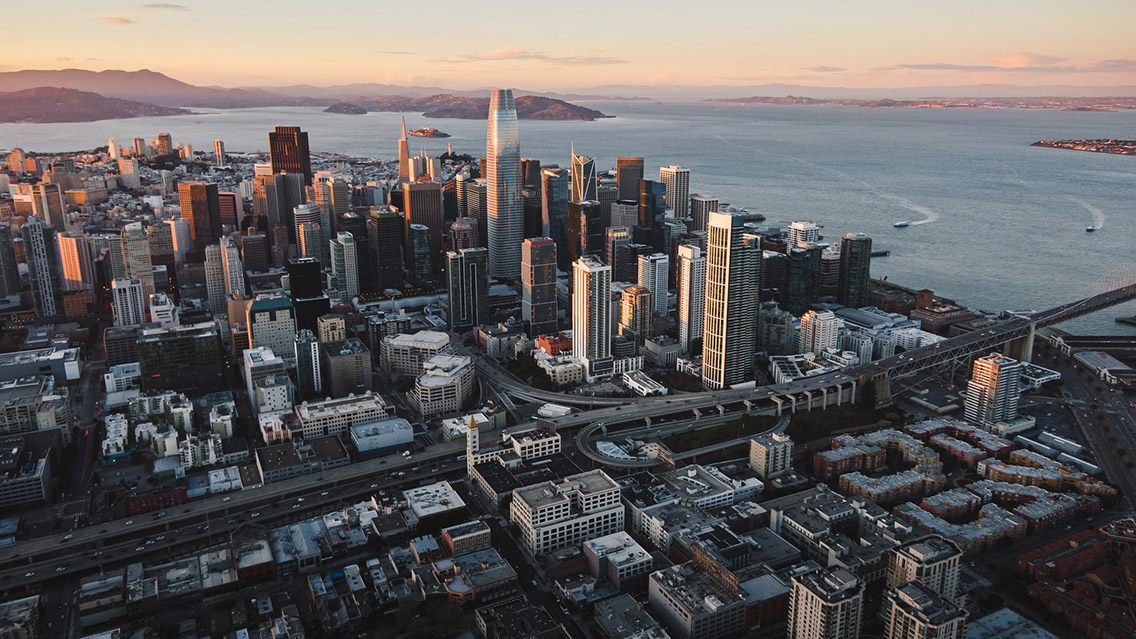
(52, 104)
(529, 107)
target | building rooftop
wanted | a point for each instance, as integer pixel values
(546, 493)
(432, 499)
(693, 589)
(830, 585)
(925, 604)
(381, 428)
(624, 618)
(618, 548)
(1006, 624)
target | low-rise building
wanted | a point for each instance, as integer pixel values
(691, 604)
(335, 416)
(447, 382)
(618, 559)
(295, 459)
(382, 437)
(554, 515)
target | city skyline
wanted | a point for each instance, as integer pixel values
(821, 43)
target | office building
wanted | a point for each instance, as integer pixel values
(403, 354)
(701, 206)
(309, 374)
(330, 328)
(44, 269)
(477, 207)
(215, 287)
(628, 172)
(288, 152)
(825, 604)
(232, 211)
(819, 330)
(275, 199)
(619, 560)
(585, 229)
(654, 271)
(271, 322)
(855, 270)
(625, 213)
(447, 382)
(770, 454)
(615, 237)
(555, 191)
(337, 415)
(202, 210)
(607, 195)
(129, 308)
(538, 285)
(803, 277)
(185, 359)
(677, 181)
(468, 285)
(992, 392)
(218, 153)
(551, 516)
(914, 611)
(345, 366)
(635, 313)
(418, 261)
(801, 232)
(234, 271)
(75, 258)
(344, 266)
(463, 233)
(49, 205)
(583, 178)
(652, 207)
(254, 252)
(403, 155)
(385, 228)
(693, 603)
(333, 196)
(932, 561)
(733, 277)
(305, 289)
(163, 310)
(503, 186)
(422, 202)
(9, 270)
(591, 315)
(691, 295)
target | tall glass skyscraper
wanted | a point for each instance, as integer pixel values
(503, 176)
(733, 279)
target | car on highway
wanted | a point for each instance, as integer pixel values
(61, 569)
(29, 574)
(256, 514)
(295, 506)
(128, 522)
(140, 549)
(227, 499)
(324, 494)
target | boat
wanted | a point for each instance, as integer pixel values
(902, 224)
(1090, 229)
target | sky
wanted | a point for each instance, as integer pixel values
(546, 45)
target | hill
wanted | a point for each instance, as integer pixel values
(52, 104)
(445, 105)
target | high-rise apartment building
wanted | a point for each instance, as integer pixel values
(333, 195)
(677, 181)
(201, 209)
(468, 285)
(215, 285)
(288, 152)
(503, 186)
(218, 153)
(585, 229)
(825, 604)
(993, 391)
(538, 285)
(591, 315)
(309, 378)
(701, 206)
(271, 322)
(44, 270)
(914, 611)
(654, 271)
(691, 295)
(628, 172)
(75, 257)
(163, 310)
(583, 178)
(129, 305)
(819, 330)
(733, 279)
(418, 262)
(422, 202)
(163, 144)
(137, 258)
(803, 277)
(344, 266)
(635, 313)
(614, 238)
(802, 231)
(770, 454)
(855, 270)
(9, 269)
(234, 271)
(932, 560)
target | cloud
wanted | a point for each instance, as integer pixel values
(64, 59)
(824, 69)
(161, 5)
(116, 20)
(588, 58)
(394, 52)
(1022, 63)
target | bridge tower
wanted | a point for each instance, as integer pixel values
(1021, 349)
(878, 384)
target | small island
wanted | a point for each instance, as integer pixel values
(1117, 147)
(346, 108)
(428, 132)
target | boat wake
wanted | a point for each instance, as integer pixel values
(1098, 215)
(928, 214)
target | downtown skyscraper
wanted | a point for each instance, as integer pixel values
(993, 391)
(733, 284)
(628, 172)
(503, 177)
(591, 315)
(691, 295)
(288, 152)
(468, 286)
(677, 180)
(583, 178)
(855, 270)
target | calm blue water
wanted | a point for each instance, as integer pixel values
(996, 223)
